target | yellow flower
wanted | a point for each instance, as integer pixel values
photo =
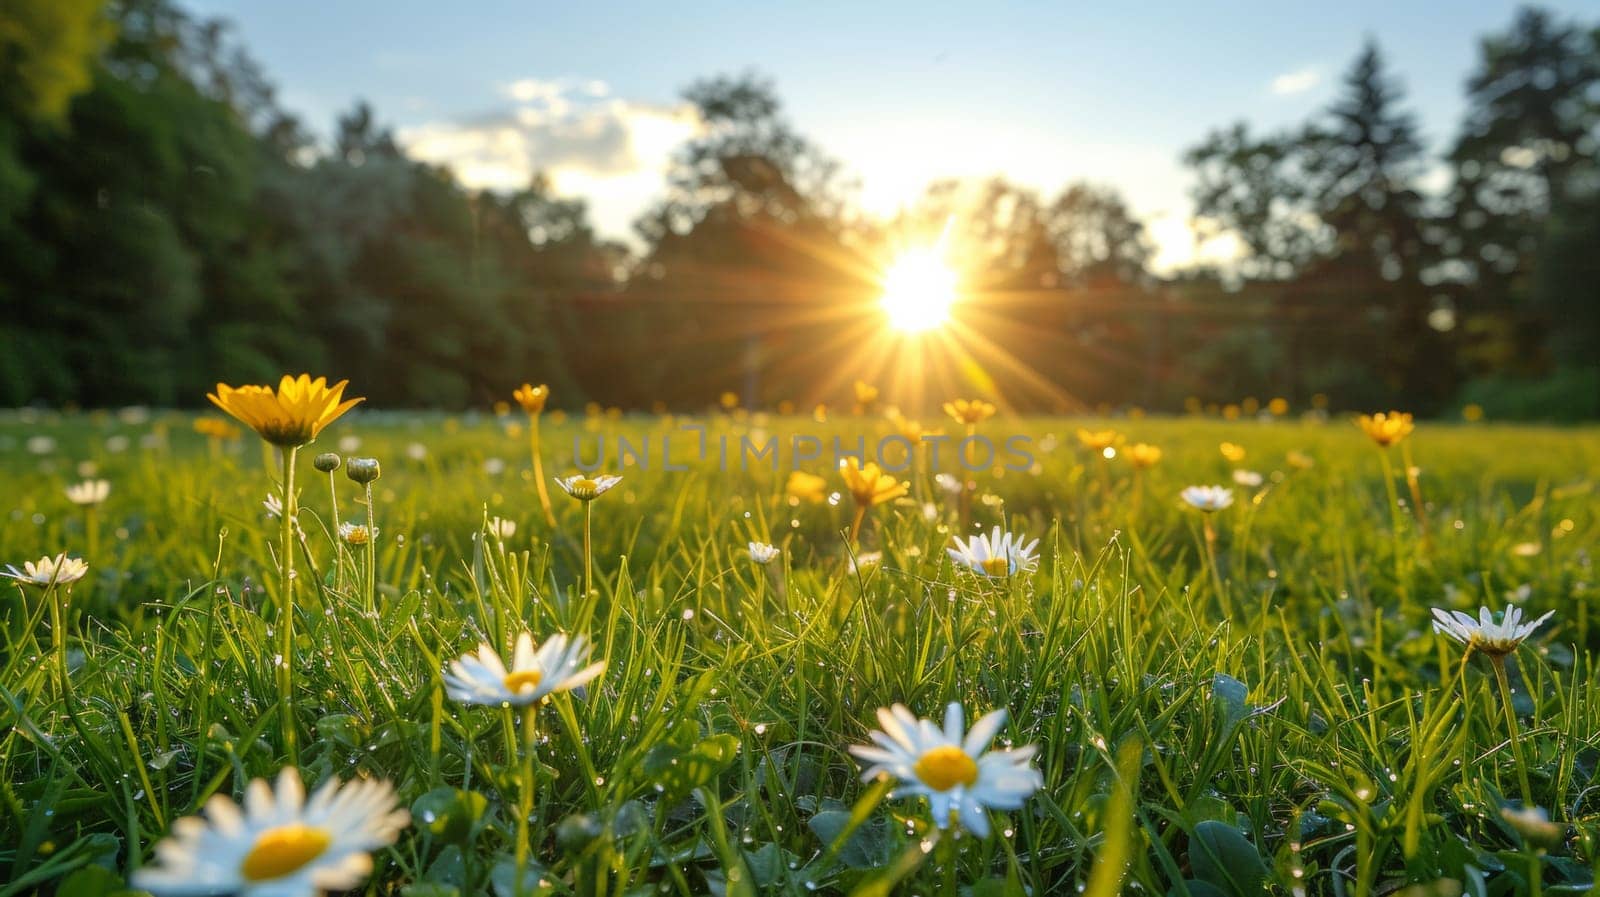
(730, 400)
(1232, 452)
(866, 396)
(1097, 440)
(1387, 429)
(532, 398)
(1230, 411)
(1300, 460)
(1472, 413)
(807, 487)
(502, 408)
(290, 416)
(215, 428)
(1143, 455)
(969, 411)
(869, 485)
(1278, 407)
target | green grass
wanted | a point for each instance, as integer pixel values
(1302, 728)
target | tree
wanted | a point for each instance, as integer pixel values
(1526, 166)
(1257, 189)
(745, 258)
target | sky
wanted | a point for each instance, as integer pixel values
(902, 93)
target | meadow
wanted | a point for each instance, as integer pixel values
(1251, 700)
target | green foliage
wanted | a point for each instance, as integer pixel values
(1300, 726)
(47, 50)
(165, 225)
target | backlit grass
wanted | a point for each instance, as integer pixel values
(1286, 717)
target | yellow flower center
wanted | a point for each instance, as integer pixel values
(516, 681)
(996, 567)
(945, 767)
(283, 850)
(585, 489)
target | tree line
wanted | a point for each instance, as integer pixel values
(165, 224)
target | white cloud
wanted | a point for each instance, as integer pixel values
(587, 141)
(1298, 81)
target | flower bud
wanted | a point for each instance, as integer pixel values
(327, 462)
(363, 470)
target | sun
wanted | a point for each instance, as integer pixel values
(918, 291)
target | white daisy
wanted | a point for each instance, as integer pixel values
(88, 492)
(996, 555)
(1208, 498)
(482, 678)
(280, 844)
(501, 528)
(584, 488)
(1247, 478)
(274, 505)
(46, 570)
(356, 533)
(958, 775)
(762, 553)
(1484, 634)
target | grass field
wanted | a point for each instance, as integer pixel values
(1285, 718)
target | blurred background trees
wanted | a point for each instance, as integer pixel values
(164, 223)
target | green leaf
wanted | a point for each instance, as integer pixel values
(1233, 699)
(767, 863)
(867, 847)
(677, 771)
(535, 882)
(1221, 856)
(91, 881)
(430, 889)
(449, 813)
(1198, 889)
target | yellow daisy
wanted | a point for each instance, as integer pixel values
(1387, 429)
(869, 485)
(969, 411)
(532, 398)
(293, 414)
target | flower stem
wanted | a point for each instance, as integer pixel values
(1500, 678)
(525, 804)
(588, 549)
(1415, 488)
(948, 853)
(538, 470)
(1211, 560)
(286, 608)
(91, 531)
(372, 554)
(58, 635)
(1394, 523)
(338, 552)
(855, 525)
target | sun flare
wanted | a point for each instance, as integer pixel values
(918, 291)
